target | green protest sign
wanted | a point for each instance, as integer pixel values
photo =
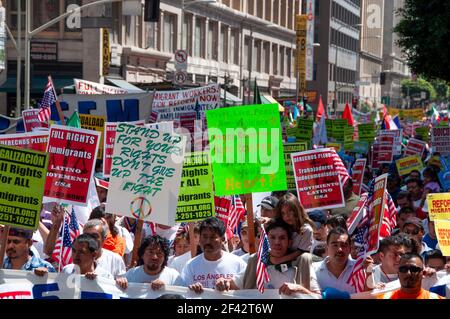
(291, 131)
(246, 149)
(348, 138)
(196, 195)
(288, 149)
(329, 126)
(360, 147)
(305, 129)
(366, 132)
(338, 129)
(423, 132)
(22, 177)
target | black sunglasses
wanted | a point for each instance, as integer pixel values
(412, 269)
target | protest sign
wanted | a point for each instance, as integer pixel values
(108, 146)
(393, 137)
(145, 173)
(336, 146)
(246, 149)
(358, 174)
(357, 214)
(288, 149)
(22, 177)
(348, 138)
(407, 114)
(329, 127)
(438, 205)
(408, 164)
(339, 126)
(72, 155)
(31, 120)
(440, 140)
(196, 196)
(33, 140)
(88, 87)
(304, 129)
(360, 147)
(317, 180)
(444, 174)
(384, 153)
(415, 146)
(95, 123)
(376, 212)
(222, 206)
(170, 105)
(366, 132)
(423, 132)
(442, 228)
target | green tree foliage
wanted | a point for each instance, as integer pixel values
(418, 86)
(424, 36)
(442, 89)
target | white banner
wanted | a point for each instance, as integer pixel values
(88, 87)
(171, 104)
(146, 173)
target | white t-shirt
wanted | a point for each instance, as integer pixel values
(326, 279)
(99, 271)
(169, 276)
(207, 272)
(304, 240)
(239, 252)
(380, 276)
(111, 262)
(179, 262)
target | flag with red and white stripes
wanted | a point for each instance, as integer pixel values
(358, 276)
(62, 253)
(47, 101)
(236, 215)
(340, 167)
(262, 275)
(389, 217)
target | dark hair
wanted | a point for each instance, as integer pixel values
(434, 254)
(409, 256)
(300, 216)
(215, 224)
(406, 210)
(196, 231)
(162, 242)
(404, 194)
(396, 240)
(171, 296)
(89, 240)
(320, 249)
(431, 172)
(98, 212)
(339, 220)
(414, 180)
(278, 223)
(337, 231)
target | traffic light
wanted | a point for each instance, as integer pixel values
(151, 10)
(382, 78)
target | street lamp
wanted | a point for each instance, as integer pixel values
(335, 66)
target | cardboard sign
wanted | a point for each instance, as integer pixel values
(31, 120)
(32, 141)
(339, 127)
(288, 149)
(408, 164)
(440, 140)
(442, 228)
(196, 196)
(329, 127)
(108, 146)
(246, 149)
(317, 180)
(376, 212)
(438, 205)
(357, 214)
(366, 132)
(94, 123)
(146, 173)
(348, 138)
(73, 152)
(304, 129)
(222, 206)
(358, 175)
(22, 177)
(415, 146)
(393, 137)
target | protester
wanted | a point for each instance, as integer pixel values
(179, 262)
(268, 205)
(153, 255)
(431, 184)
(414, 228)
(410, 274)
(434, 259)
(404, 200)
(320, 233)
(430, 238)
(202, 271)
(404, 214)
(415, 187)
(180, 247)
(351, 200)
(243, 252)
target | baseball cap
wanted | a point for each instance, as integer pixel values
(269, 202)
(318, 216)
(24, 233)
(414, 221)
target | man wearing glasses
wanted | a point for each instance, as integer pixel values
(414, 228)
(410, 274)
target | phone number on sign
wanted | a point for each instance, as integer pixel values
(194, 215)
(26, 221)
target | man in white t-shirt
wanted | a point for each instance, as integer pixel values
(153, 254)
(203, 270)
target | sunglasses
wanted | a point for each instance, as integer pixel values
(412, 269)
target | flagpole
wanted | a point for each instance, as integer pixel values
(191, 239)
(58, 106)
(4, 241)
(62, 240)
(251, 225)
(137, 242)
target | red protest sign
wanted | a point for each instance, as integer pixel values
(108, 144)
(73, 153)
(358, 175)
(222, 206)
(357, 214)
(440, 140)
(376, 212)
(317, 181)
(415, 146)
(33, 141)
(31, 120)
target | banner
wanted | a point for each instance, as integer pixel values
(415, 146)
(22, 177)
(408, 164)
(246, 149)
(358, 174)
(361, 117)
(88, 87)
(94, 123)
(108, 144)
(170, 105)
(409, 114)
(31, 120)
(196, 196)
(376, 212)
(288, 149)
(440, 140)
(146, 174)
(366, 132)
(72, 155)
(36, 141)
(317, 180)
(442, 228)
(438, 206)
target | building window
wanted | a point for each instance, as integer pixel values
(224, 43)
(276, 11)
(212, 40)
(268, 10)
(187, 33)
(266, 57)
(234, 46)
(43, 12)
(289, 62)
(150, 35)
(251, 7)
(169, 32)
(12, 8)
(275, 59)
(246, 53)
(281, 61)
(258, 49)
(199, 39)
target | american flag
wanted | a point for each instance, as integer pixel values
(237, 214)
(263, 260)
(47, 101)
(183, 228)
(358, 276)
(389, 217)
(340, 167)
(63, 246)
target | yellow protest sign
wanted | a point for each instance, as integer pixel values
(439, 206)
(336, 146)
(95, 123)
(442, 228)
(408, 164)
